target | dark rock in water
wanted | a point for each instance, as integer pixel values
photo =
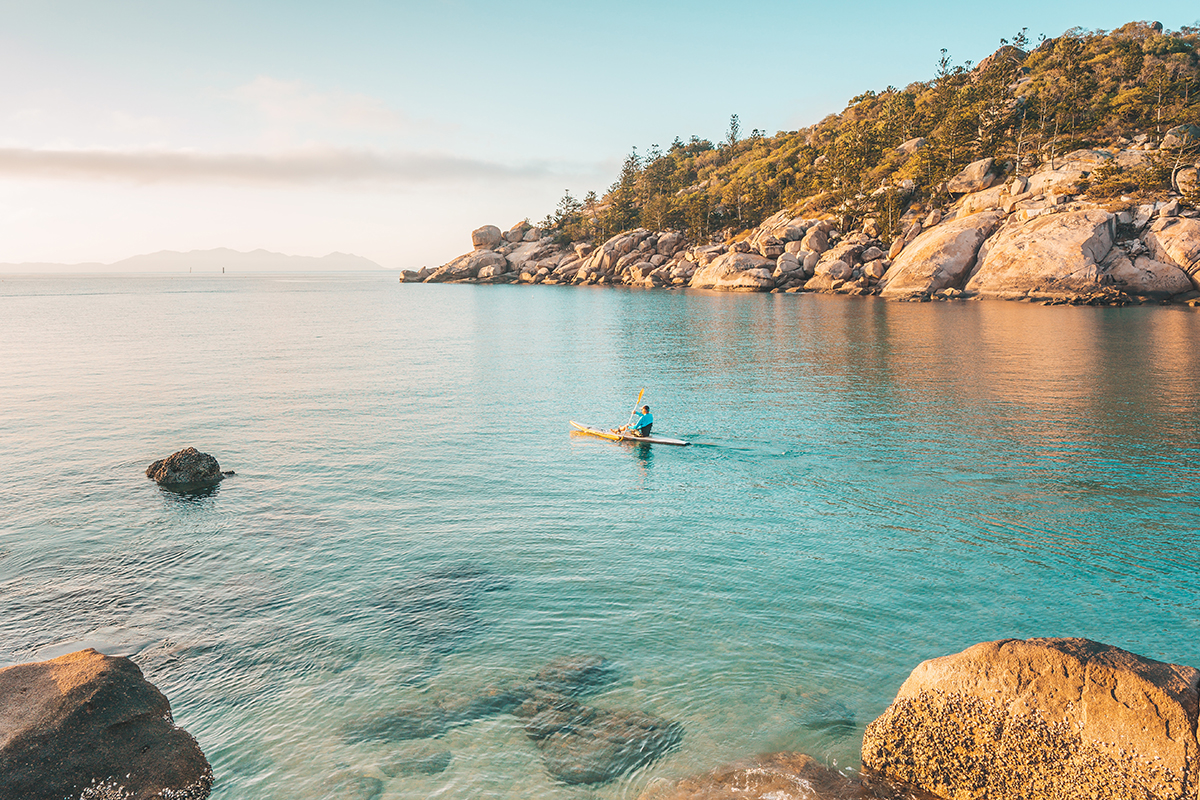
(767, 777)
(186, 469)
(349, 785)
(581, 744)
(86, 721)
(420, 762)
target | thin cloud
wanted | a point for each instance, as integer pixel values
(295, 102)
(326, 165)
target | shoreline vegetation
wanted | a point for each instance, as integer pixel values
(1058, 171)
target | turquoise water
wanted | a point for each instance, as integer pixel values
(872, 484)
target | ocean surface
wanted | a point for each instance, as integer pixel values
(871, 484)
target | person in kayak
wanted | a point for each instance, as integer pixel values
(642, 425)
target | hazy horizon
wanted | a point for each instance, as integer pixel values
(215, 260)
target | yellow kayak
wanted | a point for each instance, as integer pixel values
(628, 437)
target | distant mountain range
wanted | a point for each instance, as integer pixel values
(222, 258)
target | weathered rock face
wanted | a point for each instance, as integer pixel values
(1056, 255)
(975, 177)
(486, 238)
(744, 272)
(1181, 136)
(1177, 242)
(1042, 718)
(186, 469)
(1147, 277)
(980, 201)
(939, 258)
(779, 776)
(86, 720)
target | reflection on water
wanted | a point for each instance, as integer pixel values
(870, 484)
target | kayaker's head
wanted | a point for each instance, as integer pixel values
(645, 409)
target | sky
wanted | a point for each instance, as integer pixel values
(392, 129)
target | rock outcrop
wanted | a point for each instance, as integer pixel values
(1052, 719)
(939, 258)
(91, 725)
(975, 177)
(487, 237)
(1176, 241)
(734, 272)
(778, 776)
(1052, 256)
(186, 469)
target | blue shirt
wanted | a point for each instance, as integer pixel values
(642, 421)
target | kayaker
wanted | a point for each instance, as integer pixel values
(642, 425)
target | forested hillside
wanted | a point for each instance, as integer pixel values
(1026, 104)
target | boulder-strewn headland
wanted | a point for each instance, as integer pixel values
(1061, 172)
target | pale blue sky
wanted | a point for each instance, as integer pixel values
(392, 129)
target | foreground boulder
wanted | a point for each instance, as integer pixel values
(186, 469)
(779, 776)
(1042, 718)
(90, 722)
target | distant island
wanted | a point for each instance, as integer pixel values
(216, 260)
(1061, 170)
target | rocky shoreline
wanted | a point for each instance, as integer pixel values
(1034, 719)
(1035, 238)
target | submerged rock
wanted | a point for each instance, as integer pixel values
(416, 762)
(582, 744)
(574, 675)
(350, 785)
(186, 469)
(1042, 718)
(778, 776)
(434, 719)
(86, 722)
(561, 678)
